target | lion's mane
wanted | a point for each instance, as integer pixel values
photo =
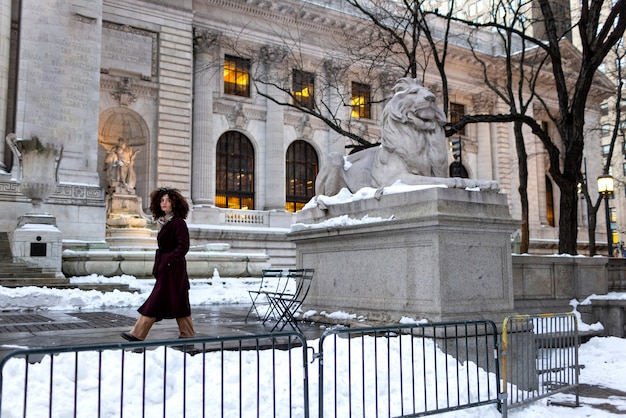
(412, 127)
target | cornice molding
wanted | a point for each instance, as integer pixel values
(306, 15)
(66, 193)
(231, 109)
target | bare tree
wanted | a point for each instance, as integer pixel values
(517, 89)
(598, 36)
(618, 131)
(600, 27)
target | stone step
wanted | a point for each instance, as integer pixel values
(63, 283)
(32, 281)
(12, 271)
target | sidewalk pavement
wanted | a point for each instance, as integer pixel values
(69, 328)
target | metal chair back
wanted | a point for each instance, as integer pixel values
(287, 305)
(281, 285)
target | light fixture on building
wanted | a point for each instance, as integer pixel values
(605, 188)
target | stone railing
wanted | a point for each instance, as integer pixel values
(245, 217)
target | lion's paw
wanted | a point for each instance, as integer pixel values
(489, 186)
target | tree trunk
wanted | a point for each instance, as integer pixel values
(592, 230)
(522, 162)
(568, 218)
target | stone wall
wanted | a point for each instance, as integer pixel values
(547, 284)
(544, 284)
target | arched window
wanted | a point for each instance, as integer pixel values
(234, 175)
(301, 173)
(457, 169)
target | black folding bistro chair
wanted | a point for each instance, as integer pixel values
(286, 305)
(264, 287)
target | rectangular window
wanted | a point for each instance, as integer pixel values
(605, 150)
(613, 223)
(303, 89)
(624, 169)
(361, 101)
(606, 130)
(457, 111)
(236, 76)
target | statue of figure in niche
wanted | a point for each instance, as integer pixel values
(119, 166)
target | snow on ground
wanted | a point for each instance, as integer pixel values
(602, 357)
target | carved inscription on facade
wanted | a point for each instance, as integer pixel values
(57, 95)
(128, 49)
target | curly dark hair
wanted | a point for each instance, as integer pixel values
(180, 207)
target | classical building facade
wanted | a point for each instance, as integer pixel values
(202, 93)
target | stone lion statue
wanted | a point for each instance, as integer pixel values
(413, 149)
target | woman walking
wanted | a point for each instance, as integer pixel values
(170, 296)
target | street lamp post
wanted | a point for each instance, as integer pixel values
(605, 188)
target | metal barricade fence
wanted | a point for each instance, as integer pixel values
(403, 370)
(243, 376)
(539, 357)
(414, 370)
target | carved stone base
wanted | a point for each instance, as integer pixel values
(125, 205)
(38, 242)
(126, 224)
(440, 254)
(120, 239)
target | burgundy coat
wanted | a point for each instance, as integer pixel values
(170, 295)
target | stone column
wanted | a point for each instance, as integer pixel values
(273, 59)
(334, 97)
(203, 143)
(483, 104)
(538, 161)
(5, 45)
(503, 158)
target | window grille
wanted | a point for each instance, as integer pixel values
(361, 100)
(457, 111)
(301, 170)
(237, 76)
(234, 177)
(303, 89)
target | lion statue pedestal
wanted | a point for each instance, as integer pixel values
(438, 253)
